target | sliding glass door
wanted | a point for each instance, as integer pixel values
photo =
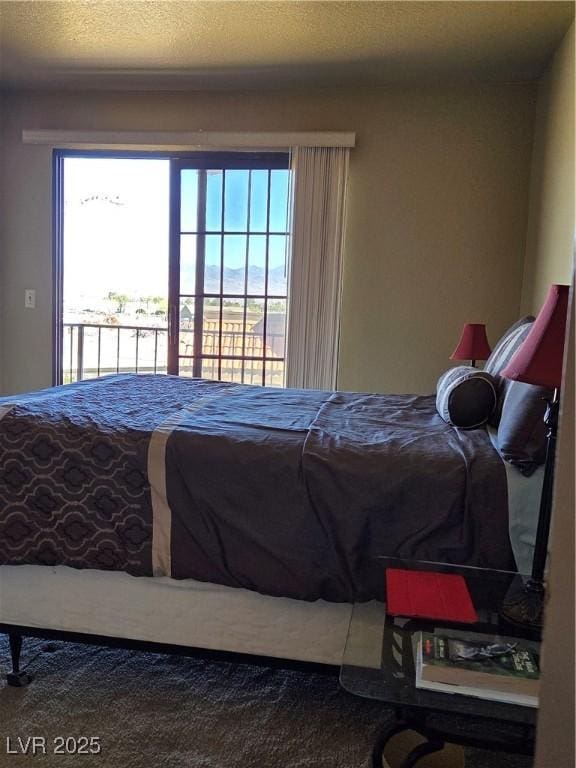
(229, 267)
(114, 217)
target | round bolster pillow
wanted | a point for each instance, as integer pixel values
(466, 397)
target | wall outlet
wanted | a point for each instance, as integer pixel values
(30, 298)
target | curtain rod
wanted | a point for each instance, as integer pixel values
(188, 139)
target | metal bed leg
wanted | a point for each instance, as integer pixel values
(16, 678)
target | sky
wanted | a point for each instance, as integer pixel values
(116, 225)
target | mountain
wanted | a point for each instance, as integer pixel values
(234, 280)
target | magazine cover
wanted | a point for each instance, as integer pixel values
(501, 668)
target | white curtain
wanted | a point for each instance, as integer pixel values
(318, 207)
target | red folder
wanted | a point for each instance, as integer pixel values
(429, 595)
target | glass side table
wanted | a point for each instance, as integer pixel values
(378, 663)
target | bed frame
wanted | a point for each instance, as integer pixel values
(19, 678)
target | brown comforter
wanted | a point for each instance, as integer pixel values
(286, 492)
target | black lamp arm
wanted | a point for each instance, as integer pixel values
(536, 582)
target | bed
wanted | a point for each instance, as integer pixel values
(194, 513)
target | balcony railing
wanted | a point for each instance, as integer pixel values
(92, 350)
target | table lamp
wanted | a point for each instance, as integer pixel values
(539, 361)
(473, 344)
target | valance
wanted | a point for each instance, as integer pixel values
(187, 140)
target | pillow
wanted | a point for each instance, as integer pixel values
(507, 345)
(504, 349)
(465, 396)
(522, 431)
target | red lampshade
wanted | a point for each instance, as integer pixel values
(539, 359)
(473, 344)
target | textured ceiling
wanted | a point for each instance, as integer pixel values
(197, 44)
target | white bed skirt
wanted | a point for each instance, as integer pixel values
(164, 610)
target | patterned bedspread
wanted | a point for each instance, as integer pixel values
(286, 492)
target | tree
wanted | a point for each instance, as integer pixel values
(121, 300)
(147, 300)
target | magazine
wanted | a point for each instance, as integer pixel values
(498, 668)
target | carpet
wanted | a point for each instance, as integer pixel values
(176, 712)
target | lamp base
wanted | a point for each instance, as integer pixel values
(524, 604)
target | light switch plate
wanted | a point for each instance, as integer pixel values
(30, 298)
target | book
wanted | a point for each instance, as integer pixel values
(430, 595)
(497, 668)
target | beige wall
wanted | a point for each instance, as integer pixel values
(555, 744)
(437, 213)
(549, 259)
(1, 241)
(552, 205)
